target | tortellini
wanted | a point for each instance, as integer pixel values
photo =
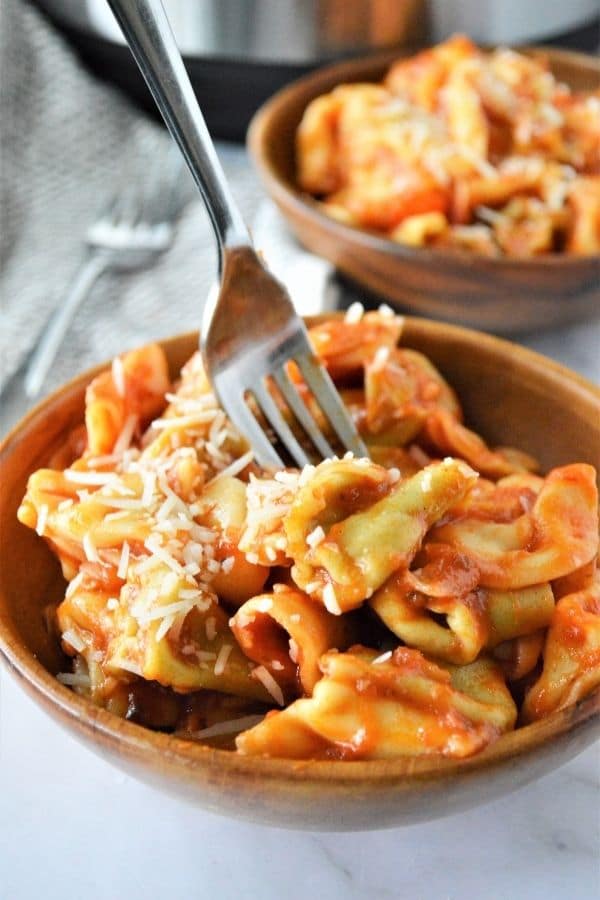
(571, 654)
(558, 535)
(357, 551)
(129, 396)
(391, 606)
(288, 633)
(400, 704)
(459, 148)
(478, 619)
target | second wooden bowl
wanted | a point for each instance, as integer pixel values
(513, 396)
(501, 295)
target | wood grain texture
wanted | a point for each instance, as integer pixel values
(503, 296)
(513, 396)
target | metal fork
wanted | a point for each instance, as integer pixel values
(136, 227)
(250, 330)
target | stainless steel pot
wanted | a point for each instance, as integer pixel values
(293, 31)
(238, 52)
(311, 31)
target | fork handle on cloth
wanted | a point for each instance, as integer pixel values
(147, 30)
(40, 361)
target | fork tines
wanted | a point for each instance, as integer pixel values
(272, 392)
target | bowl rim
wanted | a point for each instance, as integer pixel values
(304, 204)
(156, 748)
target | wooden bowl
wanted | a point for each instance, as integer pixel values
(503, 295)
(513, 396)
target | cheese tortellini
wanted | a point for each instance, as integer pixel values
(462, 149)
(419, 602)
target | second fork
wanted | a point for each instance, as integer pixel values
(135, 229)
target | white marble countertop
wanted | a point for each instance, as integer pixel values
(72, 824)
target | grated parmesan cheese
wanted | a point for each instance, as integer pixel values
(330, 600)
(74, 679)
(117, 502)
(227, 564)
(42, 519)
(316, 536)
(381, 357)
(107, 459)
(130, 666)
(426, 481)
(167, 610)
(231, 726)
(188, 421)
(237, 466)
(123, 561)
(89, 548)
(74, 584)
(166, 508)
(149, 486)
(222, 658)
(125, 437)
(312, 587)
(264, 605)
(161, 553)
(89, 477)
(358, 737)
(354, 313)
(268, 682)
(71, 637)
(489, 216)
(118, 375)
(294, 651)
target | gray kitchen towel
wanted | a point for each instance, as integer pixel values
(65, 138)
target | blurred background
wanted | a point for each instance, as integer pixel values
(78, 125)
(238, 52)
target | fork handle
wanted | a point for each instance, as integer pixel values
(146, 28)
(53, 332)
